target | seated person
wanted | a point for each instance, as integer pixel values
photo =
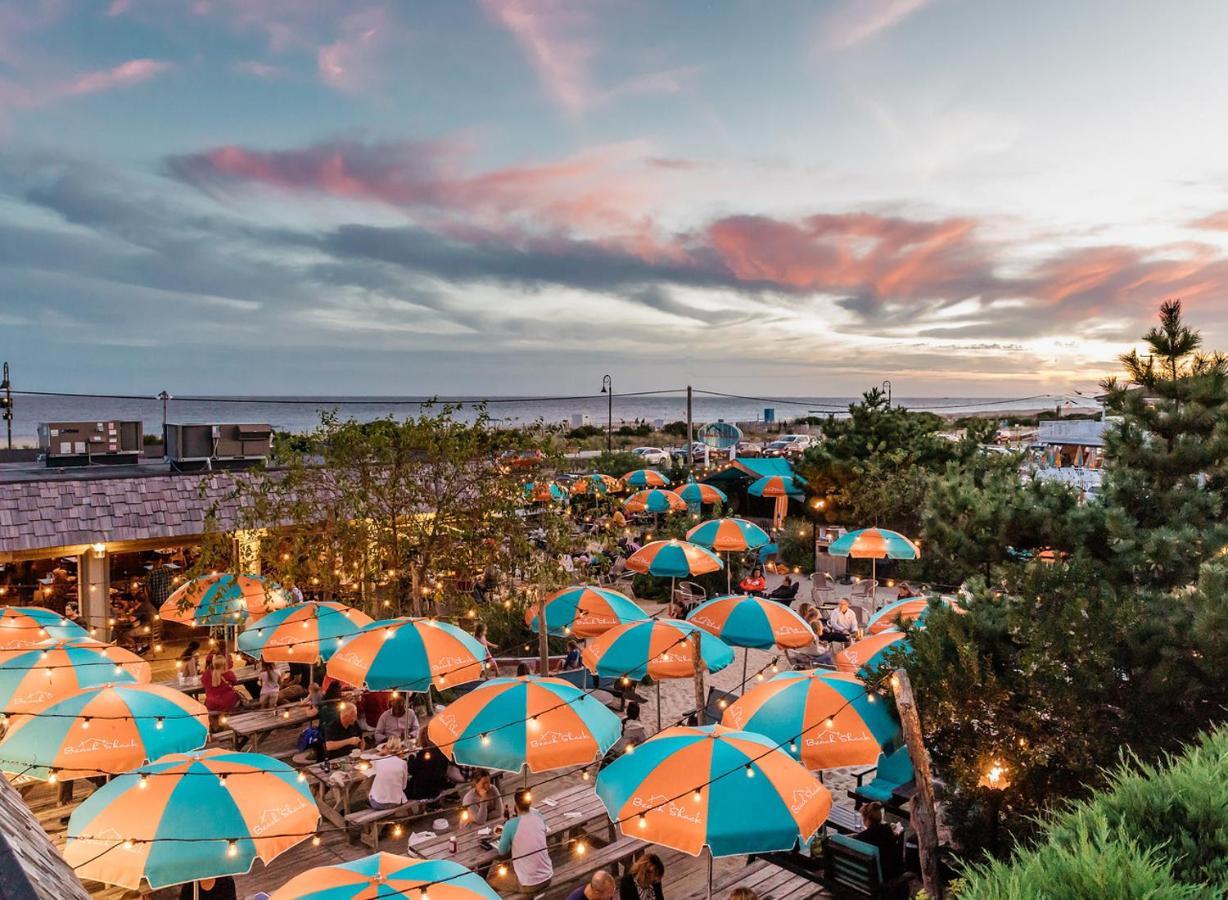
(754, 584)
(633, 732)
(572, 660)
(786, 591)
(524, 840)
(399, 719)
(643, 879)
(842, 624)
(905, 591)
(878, 833)
(391, 777)
(481, 801)
(601, 886)
(428, 772)
(342, 735)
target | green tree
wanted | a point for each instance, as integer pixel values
(1166, 463)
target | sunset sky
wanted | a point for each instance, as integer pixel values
(516, 196)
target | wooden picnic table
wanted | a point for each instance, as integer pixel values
(334, 790)
(767, 880)
(249, 727)
(571, 811)
(193, 686)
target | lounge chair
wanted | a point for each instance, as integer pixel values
(893, 771)
(822, 589)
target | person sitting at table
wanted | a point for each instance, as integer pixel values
(754, 584)
(327, 704)
(633, 733)
(481, 801)
(905, 591)
(399, 719)
(786, 591)
(878, 833)
(222, 888)
(343, 733)
(219, 685)
(270, 684)
(572, 659)
(428, 772)
(643, 879)
(391, 776)
(524, 840)
(601, 886)
(189, 664)
(842, 625)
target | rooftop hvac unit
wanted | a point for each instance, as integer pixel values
(90, 443)
(195, 447)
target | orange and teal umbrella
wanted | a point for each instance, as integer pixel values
(874, 543)
(655, 500)
(732, 791)
(29, 626)
(510, 723)
(103, 730)
(778, 486)
(824, 719)
(645, 478)
(657, 647)
(696, 493)
(305, 633)
(596, 484)
(910, 609)
(386, 875)
(868, 653)
(583, 611)
(731, 535)
(752, 622)
(31, 679)
(223, 599)
(408, 654)
(545, 491)
(673, 559)
(190, 816)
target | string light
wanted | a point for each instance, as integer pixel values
(232, 849)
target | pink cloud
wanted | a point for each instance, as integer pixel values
(257, 69)
(348, 63)
(1217, 221)
(134, 71)
(550, 34)
(857, 21)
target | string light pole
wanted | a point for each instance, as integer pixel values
(607, 388)
(924, 817)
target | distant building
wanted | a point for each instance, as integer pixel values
(1072, 452)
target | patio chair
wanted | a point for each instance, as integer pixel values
(822, 589)
(893, 771)
(862, 593)
(688, 595)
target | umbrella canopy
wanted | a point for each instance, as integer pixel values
(655, 501)
(102, 730)
(387, 875)
(910, 609)
(545, 491)
(874, 543)
(645, 478)
(223, 599)
(752, 622)
(731, 790)
(583, 611)
(673, 559)
(303, 633)
(658, 647)
(777, 486)
(868, 654)
(596, 484)
(30, 679)
(408, 654)
(728, 535)
(29, 626)
(508, 723)
(696, 492)
(824, 719)
(190, 816)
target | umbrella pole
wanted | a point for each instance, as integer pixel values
(874, 579)
(658, 681)
(745, 660)
(709, 873)
(728, 573)
(196, 890)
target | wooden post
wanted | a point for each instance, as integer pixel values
(924, 817)
(699, 677)
(543, 637)
(690, 433)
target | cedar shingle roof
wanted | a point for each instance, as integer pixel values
(35, 515)
(30, 866)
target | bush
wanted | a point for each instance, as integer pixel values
(585, 431)
(796, 543)
(618, 463)
(1154, 831)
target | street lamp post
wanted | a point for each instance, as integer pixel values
(607, 388)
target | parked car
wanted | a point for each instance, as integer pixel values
(652, 456)
(697, 448)
(747, 448)
(789, 445)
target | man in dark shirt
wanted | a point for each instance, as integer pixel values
(878, 833)
(343, 734)
(428, 772)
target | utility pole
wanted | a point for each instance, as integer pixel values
(700, 704)
(607, 388)
(6, 403)
(164, 396)
(690, 432)
(887, 388)
(924, 818)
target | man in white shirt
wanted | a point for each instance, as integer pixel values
(398, 719)
(524, 839)
(842, 624)
(391, 776)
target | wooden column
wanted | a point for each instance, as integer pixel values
(924, 817)
(94, 592)
(543, 637)
(700, 704)
(246, 550)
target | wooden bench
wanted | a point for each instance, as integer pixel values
(852, 866)
(843, 820)
(249, 728)
(368, 822)
(579, 867)
(767, 880)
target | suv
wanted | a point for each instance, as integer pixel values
(698, 448)
(653, 456)
(789, 445)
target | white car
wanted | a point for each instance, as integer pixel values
(789, 445)
(652, 456)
